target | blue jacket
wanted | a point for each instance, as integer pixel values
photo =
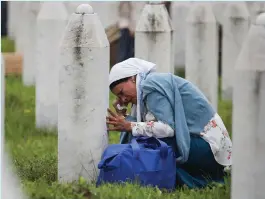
(178, 103)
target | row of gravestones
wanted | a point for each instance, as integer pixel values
(235, 22)
(84, 63)
(201, 59)
(178, 10)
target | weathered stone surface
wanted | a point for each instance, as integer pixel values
(253, 50)
(201, 51)
(29, 12)
(235, 29)
(52, 16)
(154, 37)
(179, 14)
(83, 96)
(248, 116)
(255, 8)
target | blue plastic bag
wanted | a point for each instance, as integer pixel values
(146, 160)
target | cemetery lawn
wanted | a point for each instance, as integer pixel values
(7, 45)
(34, 154)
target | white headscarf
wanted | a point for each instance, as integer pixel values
(129, 68)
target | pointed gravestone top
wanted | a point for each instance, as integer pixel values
(261, 19)
(84, 9)
(154, 18)
(84, 29)
(32, 7)
(155, 2)
(201, 13)
(252, 56)
(237, 10)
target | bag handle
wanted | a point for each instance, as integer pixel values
(136, 148)
(163, 146)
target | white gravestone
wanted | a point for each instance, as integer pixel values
(29, 12)
(72, 5)
(252, 53)
(235, 29)
(13, 20)
(255, 8)
(201, 51)
(19, 29)
(107, 11)
(11, 188)
(83, 96)
(10, 185)
(52, 16)
(218, 8)
(179, 12)
(248, 116)
(154, 37)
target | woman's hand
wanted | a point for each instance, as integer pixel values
(119, 107)
(118, 122)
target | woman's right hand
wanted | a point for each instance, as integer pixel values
(120, 108)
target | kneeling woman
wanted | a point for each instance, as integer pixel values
(174, 110)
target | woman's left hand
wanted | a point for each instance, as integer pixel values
(118, 122)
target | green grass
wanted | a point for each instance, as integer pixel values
(34, 154)
(7, 45)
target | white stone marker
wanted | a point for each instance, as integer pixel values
(201, 51)
(106, 10)
(255, 8)
(235, 29)
(259, 174)
(154, 37)
(51, 23)
(72, 5)
(83, 96)
(30, 12)
(19, 31)
(252, 53)
(2, 108)
(179, 12)
(218, 8)
(13, 9)
(248, 171)
(10, 185)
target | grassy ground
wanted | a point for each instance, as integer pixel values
(7, 45)
(34, 154)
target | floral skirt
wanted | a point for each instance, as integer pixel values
(210, 153)
(217, 136)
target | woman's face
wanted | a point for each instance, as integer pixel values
(126, 91)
